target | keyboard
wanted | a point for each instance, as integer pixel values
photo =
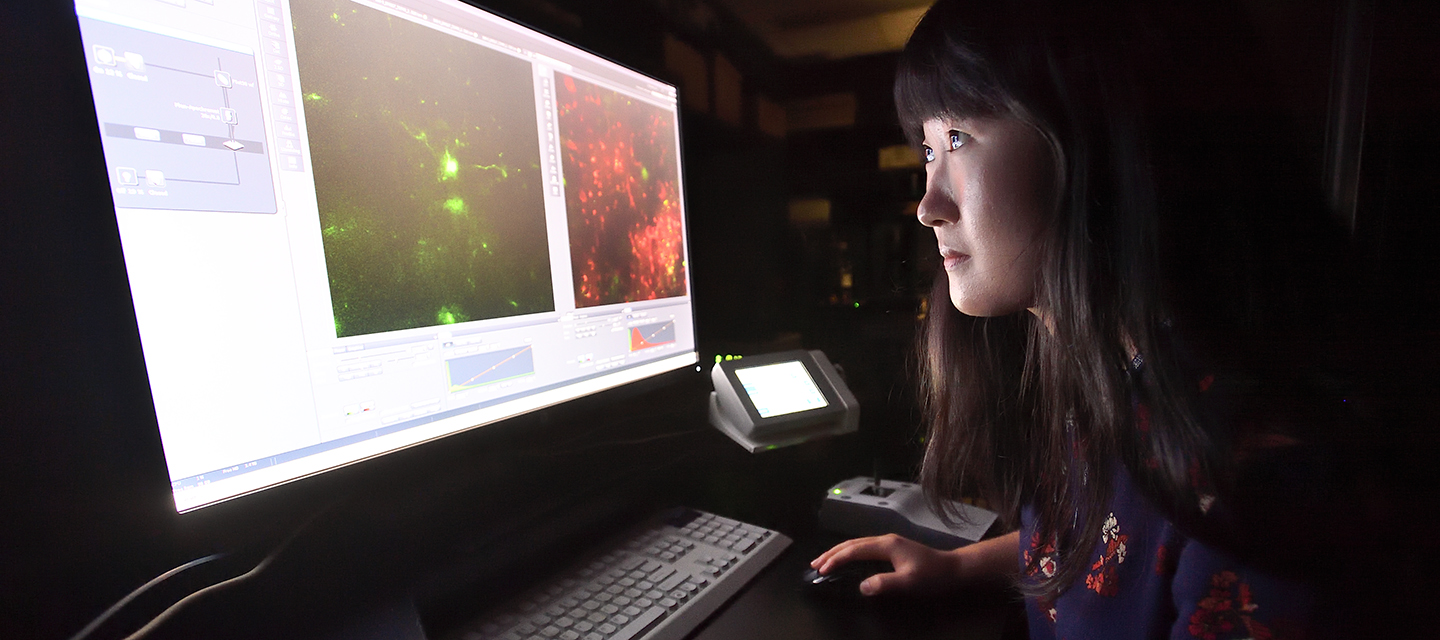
(658, 581)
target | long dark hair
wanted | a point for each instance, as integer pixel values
(1025, 412)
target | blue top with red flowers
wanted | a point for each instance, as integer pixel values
(1148, 580)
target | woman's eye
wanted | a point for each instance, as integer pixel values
(929, 154)
(958, 139)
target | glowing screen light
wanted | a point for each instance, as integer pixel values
(781, 388)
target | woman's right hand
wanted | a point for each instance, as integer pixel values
(919, 568)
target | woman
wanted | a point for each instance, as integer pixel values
(1157, 493)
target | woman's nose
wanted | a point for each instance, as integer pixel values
(937, 207)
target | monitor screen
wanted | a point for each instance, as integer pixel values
(353, 226)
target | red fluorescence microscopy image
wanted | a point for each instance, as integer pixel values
(622, 195)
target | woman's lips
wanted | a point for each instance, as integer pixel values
(953, 258)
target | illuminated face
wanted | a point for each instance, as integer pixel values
(989, 185)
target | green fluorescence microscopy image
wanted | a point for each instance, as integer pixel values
(426, 158)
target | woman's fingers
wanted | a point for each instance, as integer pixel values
(887, 582)
(875, 548)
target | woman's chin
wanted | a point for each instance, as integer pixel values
(967, 301)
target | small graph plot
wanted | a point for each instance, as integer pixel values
(488, 368)
(650, 335)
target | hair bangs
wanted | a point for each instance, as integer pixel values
(943, 74)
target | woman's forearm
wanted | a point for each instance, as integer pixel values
(989, 560)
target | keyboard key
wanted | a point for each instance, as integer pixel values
(569, 635)
(669, 603)
(550, 632)
(619, 619)
(607, 628)
(672, 581)
(640, 624)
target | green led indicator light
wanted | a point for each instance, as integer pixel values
(837, 491)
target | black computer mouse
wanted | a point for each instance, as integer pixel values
(844, 579)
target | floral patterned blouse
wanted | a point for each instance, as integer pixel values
(1148, 580)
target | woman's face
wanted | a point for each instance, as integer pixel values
(988, 191)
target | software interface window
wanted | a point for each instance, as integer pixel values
(353, 226)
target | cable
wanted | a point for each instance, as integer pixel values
(114, 608)
(170, 611)
(173, 609)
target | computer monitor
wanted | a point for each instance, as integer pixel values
(354, 226)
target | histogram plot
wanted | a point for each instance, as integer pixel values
(651, 335)
(481, 369)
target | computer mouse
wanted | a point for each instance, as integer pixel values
(844, 579)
